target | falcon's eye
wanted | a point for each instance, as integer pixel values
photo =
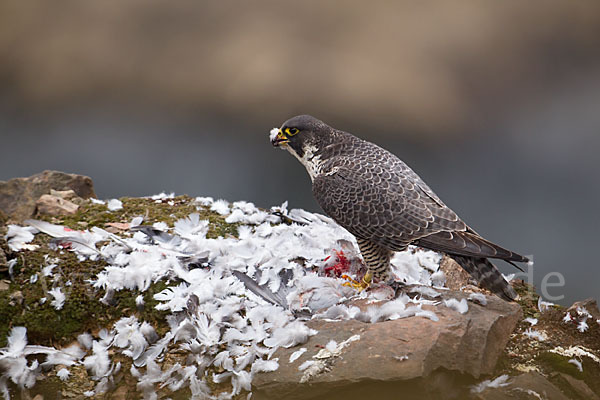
(291, 131)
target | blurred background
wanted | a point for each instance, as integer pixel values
(495, 104)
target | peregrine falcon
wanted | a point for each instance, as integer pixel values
(385, 205)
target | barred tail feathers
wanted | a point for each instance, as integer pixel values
(487, 276)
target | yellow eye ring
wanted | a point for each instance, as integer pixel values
(291, 131)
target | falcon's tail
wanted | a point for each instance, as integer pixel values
(487, 275)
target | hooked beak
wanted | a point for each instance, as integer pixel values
(279, 139)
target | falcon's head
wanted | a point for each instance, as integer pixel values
(300, 133)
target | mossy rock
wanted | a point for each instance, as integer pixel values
(23, 303)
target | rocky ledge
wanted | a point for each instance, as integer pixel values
(405, 350)
(185, 297)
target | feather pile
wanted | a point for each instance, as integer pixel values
(231, 301)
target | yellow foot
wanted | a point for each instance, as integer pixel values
(360, 286)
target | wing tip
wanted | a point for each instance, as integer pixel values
(508, 293)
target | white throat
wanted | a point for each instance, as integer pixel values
(311, 162)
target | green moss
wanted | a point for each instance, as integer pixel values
(167, 211)
(550, 364)
(556, 362)
(46, 325)
(83, 310)
(217, 225)
(124, 304)
(6, 313)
